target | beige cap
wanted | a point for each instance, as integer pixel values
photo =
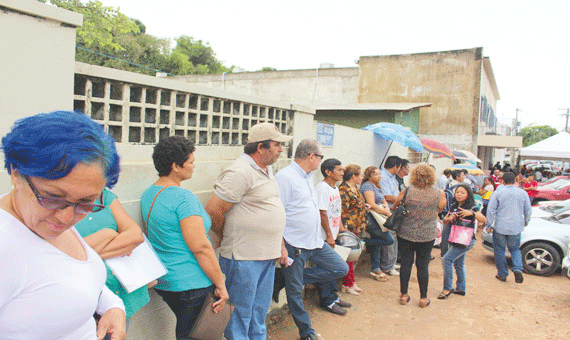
(266, 131)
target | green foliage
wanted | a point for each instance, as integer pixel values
(267, 69)
(101, 24)
(106, 31)
(532, 134)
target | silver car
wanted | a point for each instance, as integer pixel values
(544, 243)
(548, 208)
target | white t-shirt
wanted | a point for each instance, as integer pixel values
(328, 199)
(45, 293)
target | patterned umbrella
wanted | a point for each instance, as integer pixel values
(397, 133)
(466, 155)
(472, 169)
(436, 147)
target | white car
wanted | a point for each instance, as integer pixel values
(544, 243)
(566, 266)
(548, 208)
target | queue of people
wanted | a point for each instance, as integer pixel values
(60, 220)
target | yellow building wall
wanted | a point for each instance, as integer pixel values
(449, 80)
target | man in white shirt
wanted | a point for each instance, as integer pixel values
(302, 233)
(330, 204)
(444, 179)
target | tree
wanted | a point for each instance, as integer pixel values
(200, 55)
(111, 39)
(532, 134)
(101, 24)
(267, 69)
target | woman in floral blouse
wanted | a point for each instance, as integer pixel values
(353, 216)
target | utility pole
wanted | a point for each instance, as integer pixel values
(516, 122)
(567, 114)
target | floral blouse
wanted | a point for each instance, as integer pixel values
(353, 209)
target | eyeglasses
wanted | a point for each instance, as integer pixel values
(54, 203)
(320, 156)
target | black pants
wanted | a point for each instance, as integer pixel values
(422, 251)
(185, 305)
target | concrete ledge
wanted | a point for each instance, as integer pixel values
(45, 11)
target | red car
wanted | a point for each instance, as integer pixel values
(552, 180)
(556, 191)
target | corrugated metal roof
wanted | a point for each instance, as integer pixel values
(372, 106)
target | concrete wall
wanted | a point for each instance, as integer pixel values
(38, 52)
(335, 85)
(449, 80)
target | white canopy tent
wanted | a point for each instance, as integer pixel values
(555, 148)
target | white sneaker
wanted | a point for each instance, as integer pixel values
(358, 289)
(397, 266)
(349, 290)
(393, 272)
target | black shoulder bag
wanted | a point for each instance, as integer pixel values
(394, 222)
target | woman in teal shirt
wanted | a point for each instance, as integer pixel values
(177, 226)
(111, 232)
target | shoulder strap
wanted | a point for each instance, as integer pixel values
(149, 210)
(404, 199)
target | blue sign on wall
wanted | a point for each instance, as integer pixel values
(325, 134)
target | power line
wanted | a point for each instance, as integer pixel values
(122, 60)
(567, 114)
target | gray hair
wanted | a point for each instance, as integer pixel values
(307, 147)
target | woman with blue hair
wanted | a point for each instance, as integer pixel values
(52, 282)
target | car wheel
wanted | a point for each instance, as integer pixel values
(540, 258)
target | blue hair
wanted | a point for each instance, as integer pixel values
(50, 145)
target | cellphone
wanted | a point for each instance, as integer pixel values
(290, 261)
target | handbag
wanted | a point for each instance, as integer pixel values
(210, 326)
(394, 222)
(380, 219)
(375, 223)
(462, 231)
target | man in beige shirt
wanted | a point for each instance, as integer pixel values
(249, 218)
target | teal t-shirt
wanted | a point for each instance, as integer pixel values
(172, 206)
(96, 221)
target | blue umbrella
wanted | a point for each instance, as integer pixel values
(398, 133)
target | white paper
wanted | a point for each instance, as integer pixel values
(137, 269)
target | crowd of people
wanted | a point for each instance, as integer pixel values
(60, 220)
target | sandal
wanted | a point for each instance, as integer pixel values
(458, 292)
(444, 295)
(404, 299)
(423, 304)
(379, 276)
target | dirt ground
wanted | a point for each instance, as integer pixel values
(536, 309)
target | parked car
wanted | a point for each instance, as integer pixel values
(549, 208)
(553, 179)
(566, 266)
(555, 191)
(544, 243)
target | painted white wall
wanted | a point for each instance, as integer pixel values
(37, 59)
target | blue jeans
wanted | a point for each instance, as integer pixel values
(329, 267)
(186, 306)
(374, 247)
(513, 242)
(455, 257)
(389, 255)
(250, 286)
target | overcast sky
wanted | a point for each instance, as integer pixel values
(528, 42)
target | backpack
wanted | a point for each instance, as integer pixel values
(449, 197)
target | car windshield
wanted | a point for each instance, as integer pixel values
(557, 208)
(562, 218)
(559, 184)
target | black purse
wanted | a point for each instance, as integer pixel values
(394, 222)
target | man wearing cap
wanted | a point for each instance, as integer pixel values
(249, 219)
